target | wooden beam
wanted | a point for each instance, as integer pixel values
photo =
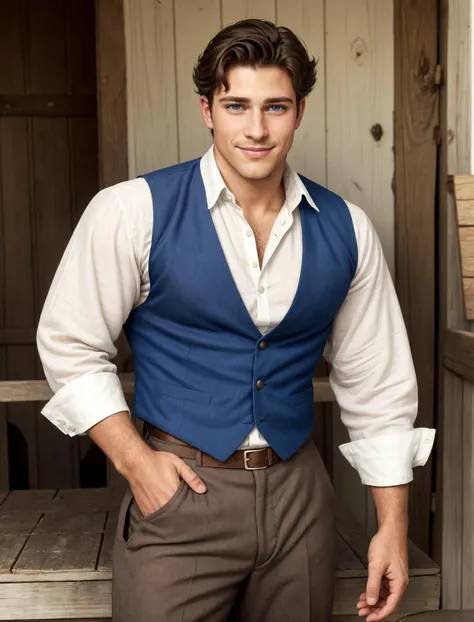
(459, 353)
(39, 390)
(111, 91)
(416, 117)
(17, 336)
(48, 105)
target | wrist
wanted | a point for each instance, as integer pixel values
(396, 526)
(130, 461)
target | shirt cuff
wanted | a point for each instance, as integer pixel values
(84, 402)
(389, 460)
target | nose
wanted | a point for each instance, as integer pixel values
(256, 128)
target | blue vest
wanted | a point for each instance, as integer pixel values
(201, 371)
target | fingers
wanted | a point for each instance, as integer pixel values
(189, 476)
(386, 604)
(373, 584)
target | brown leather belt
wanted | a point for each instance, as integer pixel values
(248, 459)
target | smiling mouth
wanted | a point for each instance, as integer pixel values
(256, 152)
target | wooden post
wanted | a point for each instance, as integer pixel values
(112, 117)
(416, 117)
(111, 91)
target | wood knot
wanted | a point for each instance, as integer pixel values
(359, 51)
(377, 132)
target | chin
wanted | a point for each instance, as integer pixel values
(255, 171)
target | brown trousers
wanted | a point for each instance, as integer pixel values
(258, 546)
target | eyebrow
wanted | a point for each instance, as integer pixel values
(246, 100)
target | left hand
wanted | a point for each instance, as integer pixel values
(388, 576)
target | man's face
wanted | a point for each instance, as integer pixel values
(254, 121)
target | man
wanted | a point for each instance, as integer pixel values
(231, 274)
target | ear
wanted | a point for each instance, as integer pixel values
(301, 110)
(206, 112)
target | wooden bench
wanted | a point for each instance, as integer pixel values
(56, 546)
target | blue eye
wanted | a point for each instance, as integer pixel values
(277, 108)
(234, 107)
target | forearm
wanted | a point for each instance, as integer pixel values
(392, 509)
(119, 440)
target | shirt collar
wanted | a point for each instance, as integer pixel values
(214, 184)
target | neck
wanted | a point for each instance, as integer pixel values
(254, 195)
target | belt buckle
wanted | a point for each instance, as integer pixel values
(246, 459)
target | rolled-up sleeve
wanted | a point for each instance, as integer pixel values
(372, 375)
(94, 289)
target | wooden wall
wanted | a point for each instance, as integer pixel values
(353, 40)
(48, 173)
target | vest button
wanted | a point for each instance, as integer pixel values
(260, 384)
(262, 345)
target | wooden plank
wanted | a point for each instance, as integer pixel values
(422, 594)
(53, 225)
(359, 59)
(18, 336)
(111, 524)
(467, 568)
(28, 500)
(105, 558)
(360, 168)
(466, 242)
(87, 499)
(19, 291)
(19, 523)
(416, 116)
(112, 92)
(308, 153)
(235, 10)
(465, 213)
(46, 31)
(352, 532)
(71, 521)
(10, 547)
(463, 188)
(12, 70)
(70, 599)
(151, 86)
(468, 291)
(348, 564)
(48, 105)
(419, 563)
(80, 41)
(451, 502)
(37, 390)
(442, 616)
(196, 22)
(459, 348)
(50, 553)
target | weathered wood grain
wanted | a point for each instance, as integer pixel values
(54, 553)
(70, 599)
(71, 521)
(18, 523)
(10, 547)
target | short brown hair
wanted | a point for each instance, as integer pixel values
(254, 43)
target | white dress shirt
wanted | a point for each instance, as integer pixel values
(104, 274)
